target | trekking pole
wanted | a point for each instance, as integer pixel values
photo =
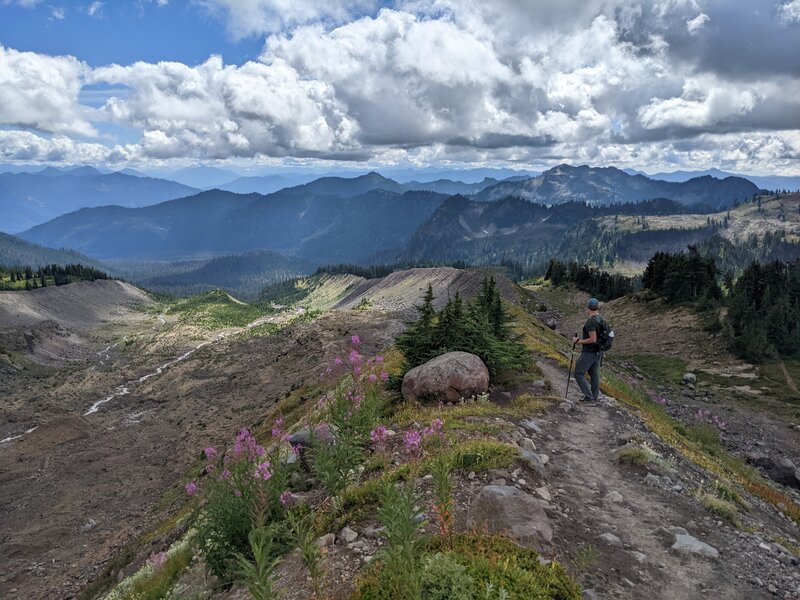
(569, 372)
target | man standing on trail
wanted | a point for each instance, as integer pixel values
(589, 361)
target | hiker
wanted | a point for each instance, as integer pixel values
(589, 361)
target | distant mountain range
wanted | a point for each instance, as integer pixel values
(765, 182)
(333, 219)
(604, 186)
(328, 220)
(28, 199)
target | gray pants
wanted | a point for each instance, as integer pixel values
(589, 362)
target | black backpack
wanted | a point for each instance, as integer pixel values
(605, 335)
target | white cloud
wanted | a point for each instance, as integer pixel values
(41, 92)
(95, 9)
(696, 24)
(25, 146)
(23, 3)
(705, 102)
(789, 12)
(57, 13)
(245, 18)
(213, 110)
(603, 81)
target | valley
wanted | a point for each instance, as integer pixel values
(92, 487)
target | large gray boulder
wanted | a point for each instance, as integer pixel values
(509, 510)
(447, 378)
(785, 472)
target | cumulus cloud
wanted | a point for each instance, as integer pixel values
(696, 24)
(602, 81)
(41, 92)
(216, 111)
(790, 12)
(245, 18)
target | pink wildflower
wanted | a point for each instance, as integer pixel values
(379, 435)
(226, 474)
(412, 440)
(384, 376)
(191, 488)
(357, 371)
(263, 471)
(286, 499)
(354, 358)
(372, 377)
(337, 361)
(210, 452)
(379, 359)
(355, 340)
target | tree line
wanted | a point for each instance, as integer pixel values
(600, 284)
(29, 278)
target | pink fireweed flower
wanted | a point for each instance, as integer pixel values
(337, 361)
(372, 377)
(356, 371)
(355, 340)
(286, 499)
(436, 429)
(263, 471)
(328, 371)
(210, 452)
(226, 474)
(379, 359)
(412, 440)
(354, 358)
(384, 376)
(191, 488)
(379, 435)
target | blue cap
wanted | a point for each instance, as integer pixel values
(593, 304)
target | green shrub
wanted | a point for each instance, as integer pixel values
(718, 506)
(444, 578)
(311, 553)
(635, 455)
(480, 326)
(498, 561)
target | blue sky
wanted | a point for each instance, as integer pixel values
(123, 32)
(654, 85)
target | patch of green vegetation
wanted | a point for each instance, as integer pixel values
(480, 567)
(635, 455)
(666, 369)
(726, 492)
(585, 558)
(774, 379)
(718, 506)
(155, 580)
(705, 435)
(214, 310)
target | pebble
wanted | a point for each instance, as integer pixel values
(522, 482)
(640, 557)
(471, 475)
(651, 479)
(614, 496)
(329, 539)
(544, 494)
(566, 406)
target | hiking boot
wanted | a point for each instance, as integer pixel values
(588, 400)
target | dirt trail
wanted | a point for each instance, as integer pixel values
(583, 471)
